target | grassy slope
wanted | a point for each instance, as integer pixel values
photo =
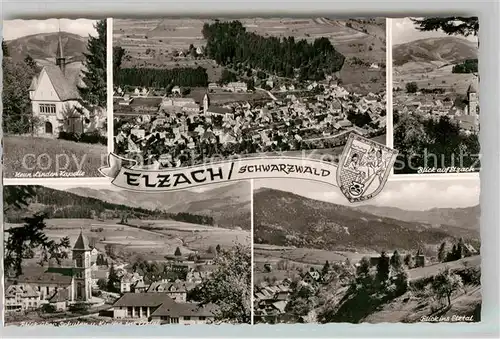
(16, 147)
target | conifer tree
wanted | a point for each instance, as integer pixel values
(94, 91)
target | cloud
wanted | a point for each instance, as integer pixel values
(13, 29)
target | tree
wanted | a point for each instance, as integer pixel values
(325, 269)
(453, 25)
(109, 249)
(229, 285)
(5, 49)
(102, 284)
(383, 268)
(364, 267)
(446, 283)
(31, 63)
(411, 87)
(211, 249)
(21, 242)
(17, 77)
(177, 252)
(442, 252)
(113, 280)
(94, 77)
(408, 260)
(118, 54)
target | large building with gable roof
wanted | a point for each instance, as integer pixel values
(66, 283)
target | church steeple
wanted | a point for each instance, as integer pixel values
(60, 60)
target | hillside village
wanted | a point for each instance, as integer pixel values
(440, 103)
(176, 116)
(94, 283)
(318, 295)
(292, 123)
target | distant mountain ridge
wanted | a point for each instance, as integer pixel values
(43, 46)
(466, 217)
(445, 50)
(287, 219)
(229, 204)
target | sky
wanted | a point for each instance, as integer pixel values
(409, 195)
(13, 29)
(403, 30)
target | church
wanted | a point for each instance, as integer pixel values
(469, 121)
(55, 98)
(57, 283)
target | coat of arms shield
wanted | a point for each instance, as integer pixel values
(364, 168)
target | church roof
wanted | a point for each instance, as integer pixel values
(66, 84)
(82, 243)
(59, 53)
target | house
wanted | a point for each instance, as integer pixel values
(311, 277)
(175, 290)
(55, 99)
(237, 86)
(128, 281)
(469, 250)
(176, 90)
(21, 297)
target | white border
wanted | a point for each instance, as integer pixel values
(389, 130)
(251, 253)
(109, 80)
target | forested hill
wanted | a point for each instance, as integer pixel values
(229, 43)
(63, 204)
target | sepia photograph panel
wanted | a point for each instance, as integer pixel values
(54, 98)
(435, 94)
(99, 255)
(189, 91)
(409, 255)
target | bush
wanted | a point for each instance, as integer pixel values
(48, 308)
(79, 307)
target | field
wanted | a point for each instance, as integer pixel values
(422, 74)
(53, 155)
(149, 43)
(161, 238)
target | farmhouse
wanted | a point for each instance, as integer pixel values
(55, 98)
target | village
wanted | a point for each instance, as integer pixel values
(92, 286)
(438, 102)
(178, 130)
(274, 297)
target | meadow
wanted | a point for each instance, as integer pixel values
(150, 239)
(50, 156)
(427, 75)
